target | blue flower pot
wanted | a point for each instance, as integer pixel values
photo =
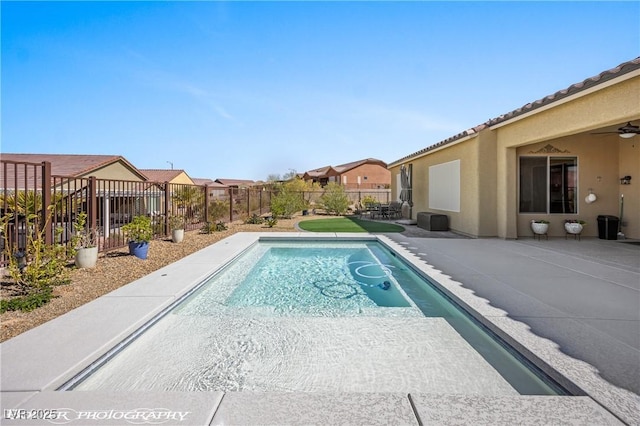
(139, 250)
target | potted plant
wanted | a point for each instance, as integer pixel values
(176, 224)
(139, 232)
(540, 227)
(84, 243)
(574, 226)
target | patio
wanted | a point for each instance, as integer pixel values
(491, 276)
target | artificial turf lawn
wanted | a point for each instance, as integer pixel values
(348, 224)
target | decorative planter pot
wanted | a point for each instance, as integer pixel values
(139, 250)
(86, 257)
(573, 228)
(539, 228)
(177, 235)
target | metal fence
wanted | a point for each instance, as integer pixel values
(25, 188)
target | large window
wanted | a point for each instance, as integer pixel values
(548, 184)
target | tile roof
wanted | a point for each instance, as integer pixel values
(603, 77)
(235, 182)
(326, 171)
(161, 175)
(622, 69)
(205, 181)
(69, 164)
(348, 166)
(322, 171)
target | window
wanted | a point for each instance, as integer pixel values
(548, 184)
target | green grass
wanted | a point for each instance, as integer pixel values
(348, 224)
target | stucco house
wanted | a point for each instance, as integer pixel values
(369, 173)
(235, 183)
(168, 175)
(216, 190)
(546, 160)
(82, 165)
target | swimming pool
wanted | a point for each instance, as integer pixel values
(316, 316)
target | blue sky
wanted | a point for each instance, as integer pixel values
(249, 89)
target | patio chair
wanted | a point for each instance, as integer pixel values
(371, 209)
(395, 210)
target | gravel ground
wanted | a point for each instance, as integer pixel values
(117, 268)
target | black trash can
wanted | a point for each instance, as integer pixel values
(608, 227)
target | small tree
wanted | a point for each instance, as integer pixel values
(290, 198)
(334, 200)
(217, 210)
(37, 268)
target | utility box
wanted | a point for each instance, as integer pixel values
(433, 221)
(608, 227)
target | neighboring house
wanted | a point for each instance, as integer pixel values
(216, 190)
(236, 183)
(369, 173)
(81, 166)
(203, 181)
(170, 175)
(115, 201)
(540, 161)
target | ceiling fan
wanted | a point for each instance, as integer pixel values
(627, 131)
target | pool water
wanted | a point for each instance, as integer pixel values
(334, 280)
(317, 316)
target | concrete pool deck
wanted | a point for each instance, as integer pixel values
(41, 360)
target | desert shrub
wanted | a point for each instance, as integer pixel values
(334, 200)
(208, 228)
(290, 198)
(37, 268)
(211, 227)
(217, 210)
(369, 199)
(254, 220)
(271, 222)
(29, 302)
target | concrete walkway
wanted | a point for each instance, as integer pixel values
(583, 295)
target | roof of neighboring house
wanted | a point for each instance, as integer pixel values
(322, 171)
(162, 175)
(235, 182)
(348, 166)
(205, 181)
(603, 77)
(72, 164)
(342, 168)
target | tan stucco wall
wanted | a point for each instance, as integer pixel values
(487, 185)
(116, 171)
(629, 158)
(598, 155)
(182, 178)
(598, 166)
(467, 220)
(613, 105)
(490, 161)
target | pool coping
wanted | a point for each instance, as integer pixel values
(39, 361)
